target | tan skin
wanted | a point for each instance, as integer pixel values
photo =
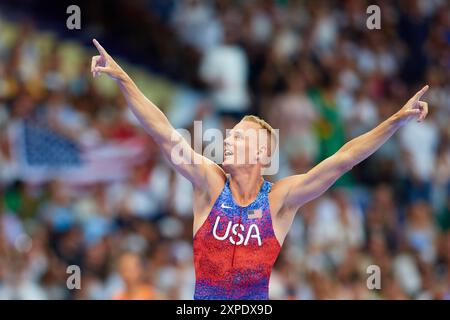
(208, 179)
(130, 270)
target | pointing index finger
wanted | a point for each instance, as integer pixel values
(99, 47)
(421, 92)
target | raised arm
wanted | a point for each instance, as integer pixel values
(299, 189)
(193, 166)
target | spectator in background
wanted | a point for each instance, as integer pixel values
(135, 287)
(337, 225)
(295, 114)
(361, 116)
(224, 69)
(420, 231)
(420, 144)
(194, 17)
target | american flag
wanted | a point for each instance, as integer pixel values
(43, 154)
(254, 214)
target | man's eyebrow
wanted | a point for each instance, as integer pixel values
(235, 132)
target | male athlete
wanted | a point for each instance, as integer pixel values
(240, 219)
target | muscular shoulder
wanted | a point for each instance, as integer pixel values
(279, 191)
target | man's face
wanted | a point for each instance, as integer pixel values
(244, 145)
(130, 268)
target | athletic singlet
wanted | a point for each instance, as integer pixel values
(235, 249)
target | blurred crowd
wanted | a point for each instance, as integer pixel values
(310, 68)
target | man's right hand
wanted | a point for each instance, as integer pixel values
(104, 63)
(206, 176)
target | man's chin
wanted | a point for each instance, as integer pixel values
(228, 165)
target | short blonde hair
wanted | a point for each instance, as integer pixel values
(272, 143)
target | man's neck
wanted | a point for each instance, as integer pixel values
(245, 187)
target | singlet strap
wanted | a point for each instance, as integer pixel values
(267, 185)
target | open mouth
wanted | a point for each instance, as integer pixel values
(227, 153)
